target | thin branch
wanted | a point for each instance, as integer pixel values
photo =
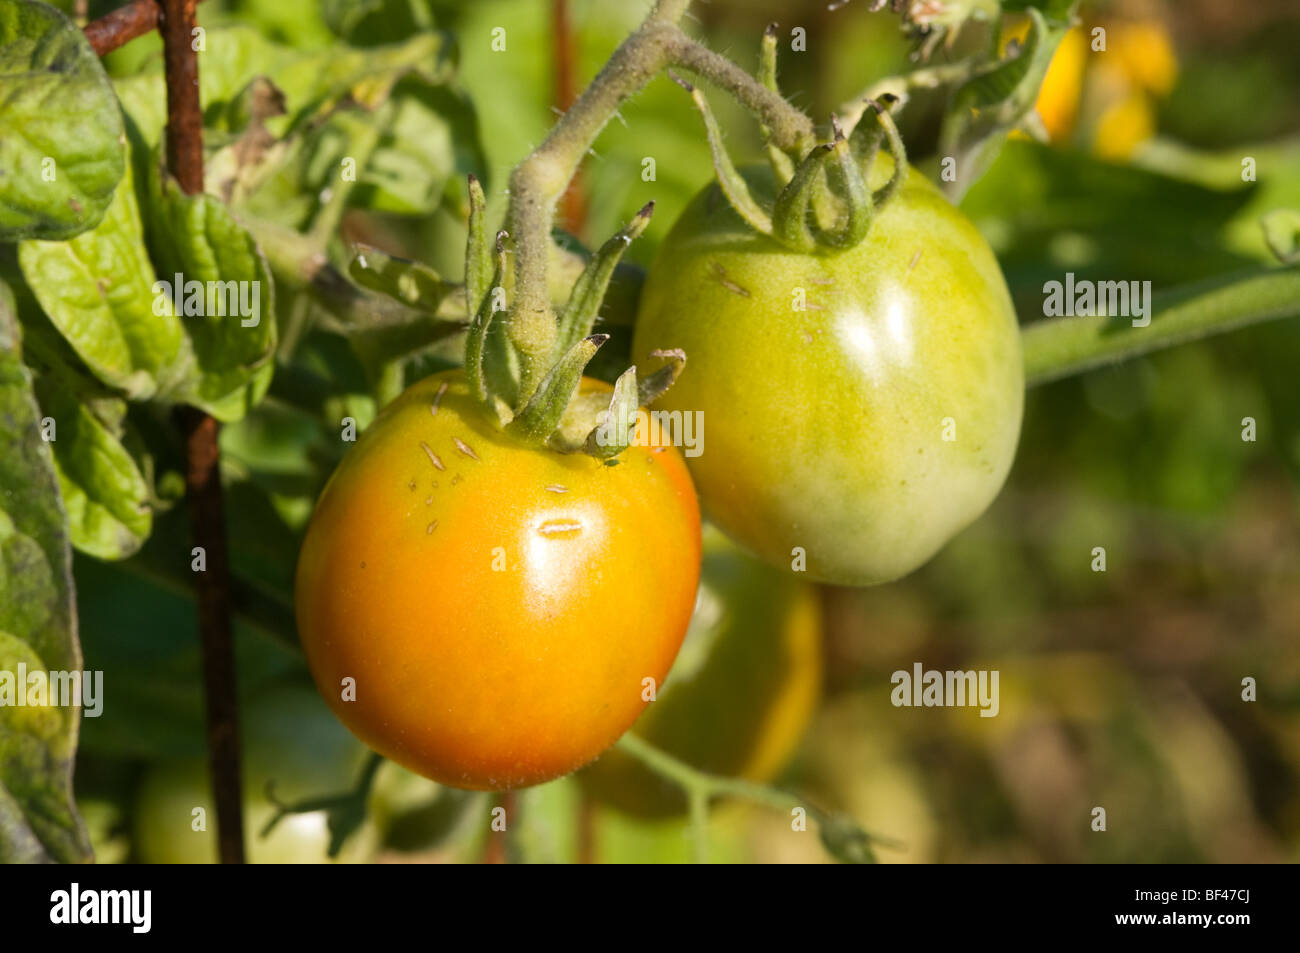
(565, 74)
(184, 117)
(842, 836)
(1059, 347)
(203, 462)
(123, 25)
(538, 182)
(790, 127)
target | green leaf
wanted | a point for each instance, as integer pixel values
(1058, 10)
(579, 315)
(61, 146)
(97, 289)
(1047, 211)
(106, 496)
(480, 382)
(369, 22)
(540, 417)
(413, 283)
(234, 55)
(995, 101)
(228, 300)
(433, 136)
(616, 426)
(1282, 233)
(38, 817)
(426, 132)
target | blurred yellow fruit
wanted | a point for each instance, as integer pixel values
(1146, 55)
(1112, 91)
(1124, 126)
(1058, 98)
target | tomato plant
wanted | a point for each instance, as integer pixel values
(860, 406)
(499, 610)
(741, 692)
(315, 320)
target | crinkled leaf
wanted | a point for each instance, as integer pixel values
(233, 56)
(97, 289)
(60, 127)
(234, 335)
(106, 497)
(363, 75)
(426, 135)
(38, 817)
(312, 81)
(433, 135)
(332, 100)
(414, 284)
(995, 101)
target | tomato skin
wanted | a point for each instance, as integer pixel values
(743, 689)
(500, 614)
(825, 426)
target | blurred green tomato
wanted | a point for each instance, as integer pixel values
(291, 739)
(741, 692)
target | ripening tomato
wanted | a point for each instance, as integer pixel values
(741, 693)
(860, 407)
(487, 614)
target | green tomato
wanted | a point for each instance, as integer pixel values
(859, 408)
(741, 693)
(290, 739)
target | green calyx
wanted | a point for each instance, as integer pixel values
(824, 202)
(556, 413)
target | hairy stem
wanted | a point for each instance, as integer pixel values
(538, 182)
(1059, 347)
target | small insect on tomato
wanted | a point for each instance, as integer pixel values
(864, 405)
(487, 614)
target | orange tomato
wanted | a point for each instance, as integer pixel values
(484, 613)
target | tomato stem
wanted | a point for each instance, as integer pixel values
(538, 182)
(1060, 347)
(843, 837)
